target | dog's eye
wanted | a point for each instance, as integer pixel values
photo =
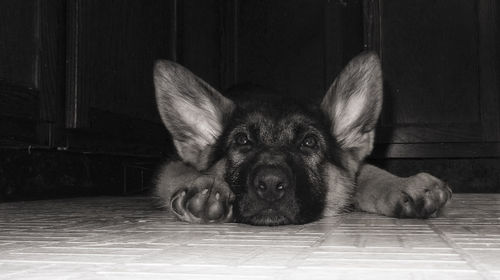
(310, 141)
(241, 139)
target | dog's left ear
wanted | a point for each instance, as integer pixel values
(353, 104)
(192, 110)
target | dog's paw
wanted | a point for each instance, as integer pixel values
(208, 199)
(421, 196)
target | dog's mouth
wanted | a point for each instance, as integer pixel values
(267, 217)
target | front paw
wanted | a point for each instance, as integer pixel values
(420, 196)
(208, 199)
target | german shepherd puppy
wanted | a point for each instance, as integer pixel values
(264, 160)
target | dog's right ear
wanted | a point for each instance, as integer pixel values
(192, 111)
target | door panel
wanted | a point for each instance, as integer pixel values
(18, 47)
(437, 84)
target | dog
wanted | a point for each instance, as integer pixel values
(260, 159)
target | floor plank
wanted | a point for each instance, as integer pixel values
(128, 238)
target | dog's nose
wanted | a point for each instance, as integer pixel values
(270, 183)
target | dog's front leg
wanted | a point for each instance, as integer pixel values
(418, 196)
(194, 196)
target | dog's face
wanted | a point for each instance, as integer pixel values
(285, 160)
(276, 151)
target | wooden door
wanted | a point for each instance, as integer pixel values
(441, 89)
(111, 49)
(31, 71)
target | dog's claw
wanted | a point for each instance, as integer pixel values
(196, 203)
(176, 203)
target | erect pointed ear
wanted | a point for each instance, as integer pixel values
(192, 111)
(353, 104)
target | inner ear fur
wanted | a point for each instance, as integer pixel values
(192, 110)
(353, 104)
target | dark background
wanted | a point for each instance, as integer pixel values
(77, 112)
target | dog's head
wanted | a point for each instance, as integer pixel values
(286, 161)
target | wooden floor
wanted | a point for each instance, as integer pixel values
(127, 238)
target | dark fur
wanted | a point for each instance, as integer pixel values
(261, 117)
